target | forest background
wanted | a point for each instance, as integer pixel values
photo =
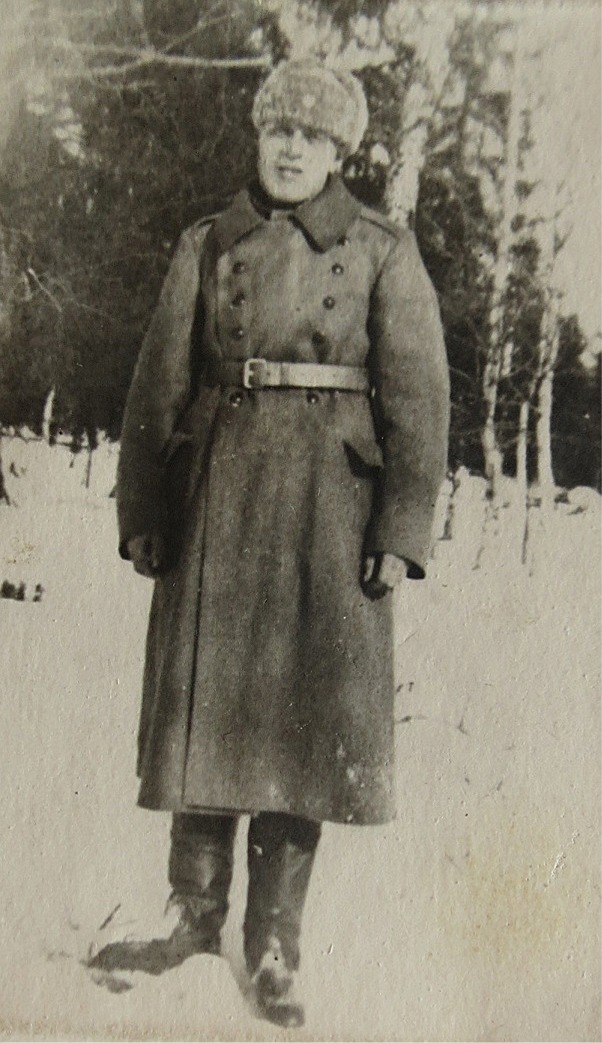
(122, 121)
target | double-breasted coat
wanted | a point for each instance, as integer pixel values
(268, 679)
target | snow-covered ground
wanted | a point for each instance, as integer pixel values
(473, 917)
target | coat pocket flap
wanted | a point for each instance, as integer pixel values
(195, 423)
(366, 450)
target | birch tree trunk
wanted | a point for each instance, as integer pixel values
(427, 30)
(47, 416)
(545, 474)
(4, 497)
(549, 345)
(402, 189)
(522, 445)
(493, 365)
(548, 213)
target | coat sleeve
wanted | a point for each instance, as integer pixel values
(158, 394)
(411, 380)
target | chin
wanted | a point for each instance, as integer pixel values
(283, 191)
(291, 197)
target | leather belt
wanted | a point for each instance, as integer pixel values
(263, 373)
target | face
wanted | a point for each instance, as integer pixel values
(294, 163)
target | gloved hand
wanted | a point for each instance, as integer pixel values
(147, 554)
(381, 573)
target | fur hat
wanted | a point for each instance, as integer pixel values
(311, 95)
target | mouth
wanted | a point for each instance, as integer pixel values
(288, 171)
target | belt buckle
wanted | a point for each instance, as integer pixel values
(254, 373)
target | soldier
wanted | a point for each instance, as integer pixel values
(283, 444)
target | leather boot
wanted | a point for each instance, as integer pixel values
(281, 852)
(200, 873)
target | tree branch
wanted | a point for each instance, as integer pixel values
(144, 57)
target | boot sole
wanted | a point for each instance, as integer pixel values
(286, 1015)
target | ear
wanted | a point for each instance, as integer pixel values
(337, 160)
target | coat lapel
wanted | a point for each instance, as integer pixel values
(324, 219)
(238, 220)
(327, 218)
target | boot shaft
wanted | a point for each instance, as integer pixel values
(280, 853)
(200, 871)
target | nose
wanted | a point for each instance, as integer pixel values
(294, 140)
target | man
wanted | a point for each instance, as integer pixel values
(283, 444)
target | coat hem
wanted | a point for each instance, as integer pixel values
(198, 809)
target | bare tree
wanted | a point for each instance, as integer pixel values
(503, 262)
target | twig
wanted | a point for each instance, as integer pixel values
(179, 40)
(45, 290)
(107, 920)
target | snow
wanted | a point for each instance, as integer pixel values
(473, 916)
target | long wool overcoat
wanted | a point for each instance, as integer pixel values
(268, 680)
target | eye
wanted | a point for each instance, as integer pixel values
(315, 136)
(274, 130)
(283, 130)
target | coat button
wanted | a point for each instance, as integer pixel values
(238, 300)
(312, 398)
(236, 398)
(342, 241)
(239, 267)
(238, 333)
(337, 269)
(328, 303)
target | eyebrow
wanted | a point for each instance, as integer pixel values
(291, 127)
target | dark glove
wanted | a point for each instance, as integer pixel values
(147, 554)
(381, 573)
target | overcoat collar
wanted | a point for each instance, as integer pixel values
(324, 219)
